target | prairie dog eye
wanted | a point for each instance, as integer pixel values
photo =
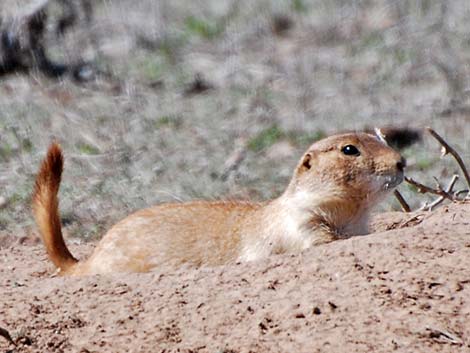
(350, 150)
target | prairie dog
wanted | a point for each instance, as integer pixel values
(334, 186)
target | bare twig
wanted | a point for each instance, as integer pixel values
(446, 149)
(448, 189)
(443, 194)
(442, 334)
(465, 191)
(423, 189)
(412, 221)
(5, 334)
(404, 205)
(440, 199)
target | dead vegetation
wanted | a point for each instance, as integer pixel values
(5, 334)
(446, 193)
(217, 99)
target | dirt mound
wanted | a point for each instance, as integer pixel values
(405, 288)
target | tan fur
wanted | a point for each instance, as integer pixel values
(46, 208)
(328, 198)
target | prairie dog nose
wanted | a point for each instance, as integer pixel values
(401, 164)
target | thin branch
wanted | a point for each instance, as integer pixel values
(440, 199)
(404, 205)
(446, 149)
(423, 189)
(445, 335)
(5, 334)
(466, 192)
(442, 194)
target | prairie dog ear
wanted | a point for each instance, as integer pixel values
(307, 162)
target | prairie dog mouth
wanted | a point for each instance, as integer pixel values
(391, 181)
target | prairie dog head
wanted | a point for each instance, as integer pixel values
(356, 167)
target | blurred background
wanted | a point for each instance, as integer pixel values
(156, 101)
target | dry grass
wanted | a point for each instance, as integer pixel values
(134, 138)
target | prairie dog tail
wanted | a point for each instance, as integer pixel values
(46, 208)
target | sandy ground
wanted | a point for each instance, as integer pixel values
(404, 288)
(134, 137)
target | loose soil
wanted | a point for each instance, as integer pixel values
(404, 288)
